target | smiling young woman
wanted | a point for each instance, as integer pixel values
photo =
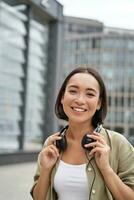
(78, 163)
(81, 98)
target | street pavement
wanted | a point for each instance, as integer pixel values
(16, 181)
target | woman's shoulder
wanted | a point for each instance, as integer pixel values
(118, 138)
(115, 134)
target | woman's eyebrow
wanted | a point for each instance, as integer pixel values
(74, 86)
(91, 89)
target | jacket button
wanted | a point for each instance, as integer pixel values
(89, 169)
(93, 191)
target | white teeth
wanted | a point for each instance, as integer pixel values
(79, 109)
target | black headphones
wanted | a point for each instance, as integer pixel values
(62, 143)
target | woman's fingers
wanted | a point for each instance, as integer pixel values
(100, 149)
(98, 138)
(48, 157)
(99, 145)
(94, 144)
(49, 151)
(53, 149)
(51, 139)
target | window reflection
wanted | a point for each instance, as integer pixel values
(12, 47)
(36, 82)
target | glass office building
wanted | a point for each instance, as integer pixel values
(12, 47)
(111, 52)
(30, 62)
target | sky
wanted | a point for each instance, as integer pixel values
(113, 13)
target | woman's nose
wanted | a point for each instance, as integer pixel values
(80, 99)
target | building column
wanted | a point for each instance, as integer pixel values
(54, 75)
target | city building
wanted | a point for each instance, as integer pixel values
(110, 51)
(33, 64)
(31, 35)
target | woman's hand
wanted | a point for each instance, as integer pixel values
(49, 154)
(100, 150)
(48, 157)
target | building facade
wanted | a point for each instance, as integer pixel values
(111, 52)
(31, 35)
(32, 66)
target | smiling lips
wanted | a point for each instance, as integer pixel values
(78, 109)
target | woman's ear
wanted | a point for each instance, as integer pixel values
(62, 99)
(99, 104)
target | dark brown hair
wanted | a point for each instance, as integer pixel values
(100, 114)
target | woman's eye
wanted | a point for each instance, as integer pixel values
(72, 91)
(90, 94)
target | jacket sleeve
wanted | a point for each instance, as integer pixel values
(36, 176)
(126, 162)
(37, 173)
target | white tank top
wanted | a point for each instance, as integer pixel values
(70, 182)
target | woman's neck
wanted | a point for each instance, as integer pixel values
(77, 131)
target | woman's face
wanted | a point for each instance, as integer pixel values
(81, 98)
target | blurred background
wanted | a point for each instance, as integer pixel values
(41, 42)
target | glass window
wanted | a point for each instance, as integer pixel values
(119, 117)
(12, 47)
(36, 49)
(12, 52)
(36, 82)
(10, 112)
(35, 61)
(9, 127)
(9, 97)
(8, 66)
(131, 44)
(35, 88)
(107, 57)
(114, 43)
(12, 18)
(36, 35)
(12, 37)
(35, 75)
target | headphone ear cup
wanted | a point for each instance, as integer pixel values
(86, 140)
(62, 143)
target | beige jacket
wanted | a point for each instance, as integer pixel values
(121, 160)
